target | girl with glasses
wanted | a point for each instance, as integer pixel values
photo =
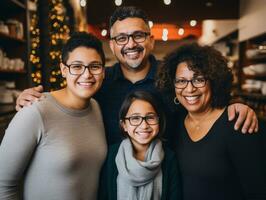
(140, 167)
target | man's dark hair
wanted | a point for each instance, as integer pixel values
(82, 39)
(124, 12)
(203, 60)
(148, 97)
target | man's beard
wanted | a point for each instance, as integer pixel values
(134, 64)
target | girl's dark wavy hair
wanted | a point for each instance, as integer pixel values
(203, 60)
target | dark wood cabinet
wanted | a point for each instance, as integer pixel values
(14, 43)
(247, 60)
(252, 73)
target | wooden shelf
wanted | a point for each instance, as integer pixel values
(263, 118)
(5, 37)
(12, 46)
(9, 7)
(257, 77)
(18, 3)
(258, 58)
(7, 109)
(255, 100)
(252, 95)
(13, 71)
(258, 39)
(15, 4)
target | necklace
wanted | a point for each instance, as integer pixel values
(198, 127)
(194, 125)
(198, 122)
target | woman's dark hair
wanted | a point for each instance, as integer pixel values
(125, 12)
(148, 97)
(203, 60)
(82, 39)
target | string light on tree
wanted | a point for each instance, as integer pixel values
(59, 33)
(34, 58)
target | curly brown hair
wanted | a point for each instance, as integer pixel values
(203, 60)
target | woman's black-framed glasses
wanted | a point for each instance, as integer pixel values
(78, 68)
(197, 82)
(136, 120)
(137, 36)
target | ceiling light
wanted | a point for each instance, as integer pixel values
(150, 24)
(165, 31)
(164, 38)
(193, 22)
(209, 4)
(104, 32)
(83, 3)
(181, 31)
(167, 2)
(118, 2)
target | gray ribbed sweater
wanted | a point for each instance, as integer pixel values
(58, 152)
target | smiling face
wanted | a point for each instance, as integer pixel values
(133, 56)
(143, 134)
(85, 85)
(195, 100)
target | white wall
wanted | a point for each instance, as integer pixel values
(252, 20)
(213, 30)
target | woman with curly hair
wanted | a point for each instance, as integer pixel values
(215, 161)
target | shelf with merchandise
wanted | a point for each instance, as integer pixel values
(252, 73)
(13, 71)
(7, 39)
(14, 40)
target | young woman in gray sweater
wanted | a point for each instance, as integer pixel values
(57, 145)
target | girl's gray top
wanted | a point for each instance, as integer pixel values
(56, 151)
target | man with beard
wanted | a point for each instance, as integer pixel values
(131, 42)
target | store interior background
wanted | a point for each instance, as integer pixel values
(32, 33)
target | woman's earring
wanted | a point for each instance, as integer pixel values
(176, 101)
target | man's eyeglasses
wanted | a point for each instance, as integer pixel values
(137, 120)
(137, 36)
(78, 68)
(197, 82)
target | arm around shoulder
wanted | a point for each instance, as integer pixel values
(28, 96)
